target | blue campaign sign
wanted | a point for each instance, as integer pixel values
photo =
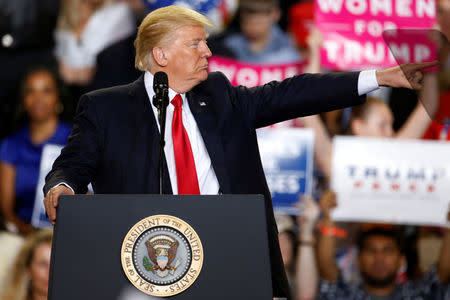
(202, 6)
(288, 156)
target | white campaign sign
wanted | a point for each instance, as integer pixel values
(394, 181)
(49, 154)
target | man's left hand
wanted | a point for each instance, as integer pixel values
(405, 76)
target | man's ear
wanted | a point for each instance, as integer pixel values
(159, 56)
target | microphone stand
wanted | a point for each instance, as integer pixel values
(161, 101)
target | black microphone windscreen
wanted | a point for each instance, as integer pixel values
(160, 80)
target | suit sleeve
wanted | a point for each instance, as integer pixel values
(298, 96)
(78, 159)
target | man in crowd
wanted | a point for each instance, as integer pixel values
(211, 145)
(260, 39)
(380, 256)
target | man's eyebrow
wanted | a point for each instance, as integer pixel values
(202, 38)
(199, 39)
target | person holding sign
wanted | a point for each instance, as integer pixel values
(20, 153)
(115, 137)
(374, 118)
(380, 256)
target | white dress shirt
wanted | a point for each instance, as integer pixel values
(367, 82)
(207, 179)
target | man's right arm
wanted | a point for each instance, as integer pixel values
(309, 94)
(78, 159)
(52, 198)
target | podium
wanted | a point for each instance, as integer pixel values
(89, 234)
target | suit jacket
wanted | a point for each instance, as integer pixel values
(115, 139)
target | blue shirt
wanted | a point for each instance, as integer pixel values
(279, 49)
(19, 151)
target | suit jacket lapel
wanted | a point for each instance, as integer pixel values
(201, 109)
(147, 118)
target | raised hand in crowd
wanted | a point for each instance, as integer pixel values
(314, 41)
(82, 76)
(307, 277)
(326, 243)
(308, 218)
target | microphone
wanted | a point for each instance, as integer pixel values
(161, 101)
(161, 88)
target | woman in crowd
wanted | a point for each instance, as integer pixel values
(26, 31)
(373, 118)
(29, 277)
(20, 153)
(85, 28)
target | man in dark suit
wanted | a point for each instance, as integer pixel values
(115, 139)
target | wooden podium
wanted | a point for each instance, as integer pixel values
(90, 230)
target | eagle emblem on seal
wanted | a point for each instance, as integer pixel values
(162, 250)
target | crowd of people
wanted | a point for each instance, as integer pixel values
(53, 51)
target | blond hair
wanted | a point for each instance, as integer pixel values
(18, 287)
(69, 17)
(157, 28)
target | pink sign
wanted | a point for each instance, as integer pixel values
(413, 45)
(352, 30)
(249, 75)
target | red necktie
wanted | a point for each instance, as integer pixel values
(184, 159)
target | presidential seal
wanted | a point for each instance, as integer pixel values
(162, 255)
